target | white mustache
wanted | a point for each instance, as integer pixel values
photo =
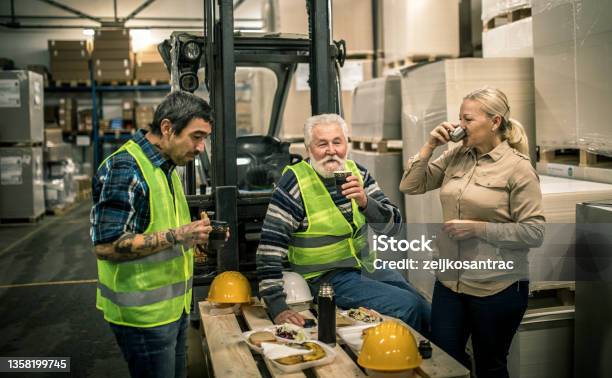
(331, 159)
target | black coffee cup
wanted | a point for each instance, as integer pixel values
(340, 178)
(216, 238)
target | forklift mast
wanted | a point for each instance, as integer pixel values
(223, 51)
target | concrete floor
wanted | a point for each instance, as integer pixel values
(47, 298)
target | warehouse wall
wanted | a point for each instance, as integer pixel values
(29, 46)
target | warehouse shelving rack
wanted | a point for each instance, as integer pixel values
(97, 92)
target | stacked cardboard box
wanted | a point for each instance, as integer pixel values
(85, 120)
(150, 66)
(127, 110)
(69, 60)
(144, 116)
(67, 114)
(112, 55)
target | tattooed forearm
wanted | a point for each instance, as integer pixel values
(133, 246)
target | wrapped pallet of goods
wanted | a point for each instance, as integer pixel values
(297, 108)
(415, 30)
(507, 29)
(574, 87)
(376, 125)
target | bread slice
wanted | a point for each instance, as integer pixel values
(257, 338)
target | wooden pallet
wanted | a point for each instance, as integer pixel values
(230, 356)
(412, 60)
(506, 18)
(580, 157)
(21, 221)
(376, 145)
(115, 83)
(563, 291)
(71, 83)
(62, 209)
(83, 195)
(152, 83)
(365, 54)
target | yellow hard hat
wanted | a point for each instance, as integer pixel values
(389, 346)
(230, 287)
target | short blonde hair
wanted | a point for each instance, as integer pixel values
(323, 119)
(494, 102)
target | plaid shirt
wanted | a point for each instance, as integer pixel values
(121, 195)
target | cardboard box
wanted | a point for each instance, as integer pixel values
(118, 75)
(513, 40)
(69, 54)
(69, 65)
(67, 45)
(112, 55)
(112, 34)
(112, 64)
(71, 75)
(85, 120)
(115, 44)
(53, 136)
(67, 114)
(151, 71)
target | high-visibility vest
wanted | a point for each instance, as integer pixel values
(156, 289)
(330, 241)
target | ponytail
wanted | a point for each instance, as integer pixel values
(516, 136)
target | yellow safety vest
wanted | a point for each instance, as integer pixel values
(330, 241)
(155, 289)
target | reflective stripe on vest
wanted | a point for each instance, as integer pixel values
(330, 240)
(156, 289)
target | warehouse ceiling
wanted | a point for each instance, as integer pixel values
(154, 14)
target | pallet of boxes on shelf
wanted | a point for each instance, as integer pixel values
(507, 29)
(415, 31)
(149, 67)
(112, 57)
(69, 62)
(574, 86)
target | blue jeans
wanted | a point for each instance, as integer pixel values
(385, 291)
(156, 351)
(491, 321)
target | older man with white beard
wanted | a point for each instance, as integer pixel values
(323, 233)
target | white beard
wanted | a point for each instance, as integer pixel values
(319, 165)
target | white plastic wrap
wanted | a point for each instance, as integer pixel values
(416, 28)
(492, 8)
(573, 77)
(513, 40)
(432, 93)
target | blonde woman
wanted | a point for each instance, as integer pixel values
(491, 204)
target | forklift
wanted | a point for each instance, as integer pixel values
(237, 179)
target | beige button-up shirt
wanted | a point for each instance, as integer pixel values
(501, 188)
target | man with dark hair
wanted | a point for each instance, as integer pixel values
(143, 237)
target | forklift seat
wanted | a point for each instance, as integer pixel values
(261, 160)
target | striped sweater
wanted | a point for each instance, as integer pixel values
(286, 215)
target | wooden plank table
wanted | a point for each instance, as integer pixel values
(231, 357)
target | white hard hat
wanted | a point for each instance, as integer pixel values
(296, 288)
